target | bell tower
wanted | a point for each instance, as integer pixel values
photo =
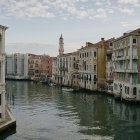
(61, 45)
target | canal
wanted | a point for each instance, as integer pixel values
(48, 113)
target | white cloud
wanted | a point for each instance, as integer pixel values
(100, 13)
(125, 24)
(65, 9)
(132, 2)
(126, 10)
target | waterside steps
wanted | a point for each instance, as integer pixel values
(10, 121)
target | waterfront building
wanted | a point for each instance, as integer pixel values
(126, 61)
(17, 66)
(2, 73)
(102, 46)
(34, 67)
(40, 67)
(65, 67)
(54, 70)
(88, 66)
(109, 68)
(92, 65)
(46, 66)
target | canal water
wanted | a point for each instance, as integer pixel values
(49, 113)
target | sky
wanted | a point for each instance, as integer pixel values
(36, 25)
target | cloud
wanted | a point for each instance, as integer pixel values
(125, 24)
(65, 9)
(132, 2)
(100, 13)
(127, 11)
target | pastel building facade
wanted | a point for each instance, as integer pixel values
(126, 61)
(88, 67)
(2, 72)
(40, 67)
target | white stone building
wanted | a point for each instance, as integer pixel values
(126, 61)
(65, 67)
(2, 72)
(88, 67)
(17, 66)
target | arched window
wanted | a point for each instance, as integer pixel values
(134, 91)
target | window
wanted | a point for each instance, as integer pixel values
(94, 79)
(87, 54)
(134, 41)
(0, 115)
(94, 68)
(134, 91)
(111, 44)
(95, 54)
(0, 99)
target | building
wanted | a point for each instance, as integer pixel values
(88, 66)
(40, 67)
(54, 70)
(126, 61)
(65, 67)
(2, 73)
(109, 68)
(92, 65)
(17, 66)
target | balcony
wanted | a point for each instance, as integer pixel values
(119, 70)
(109, 51)
(132, 70)
(135, 57)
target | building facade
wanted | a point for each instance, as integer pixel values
(17, 66)
(65, 67)
(109, 68)
(2, 72)
(40, 67)
(126, 61)
(88, 67)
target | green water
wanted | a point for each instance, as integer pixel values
(48, 113)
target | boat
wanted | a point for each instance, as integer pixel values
(68, 89)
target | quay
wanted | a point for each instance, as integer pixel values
(9, 122)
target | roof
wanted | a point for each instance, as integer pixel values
(135, 32)
(3, 27)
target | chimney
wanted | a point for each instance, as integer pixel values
(102, 39)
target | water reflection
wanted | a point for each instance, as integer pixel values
(49, 113)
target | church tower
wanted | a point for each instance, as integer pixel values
(61, 45)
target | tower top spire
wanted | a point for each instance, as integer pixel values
(61, 36)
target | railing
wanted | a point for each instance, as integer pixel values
(134, 57)
(132, 70)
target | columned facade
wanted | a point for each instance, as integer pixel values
(2, 72)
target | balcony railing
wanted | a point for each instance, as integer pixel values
(132, 70)
(135, 57)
